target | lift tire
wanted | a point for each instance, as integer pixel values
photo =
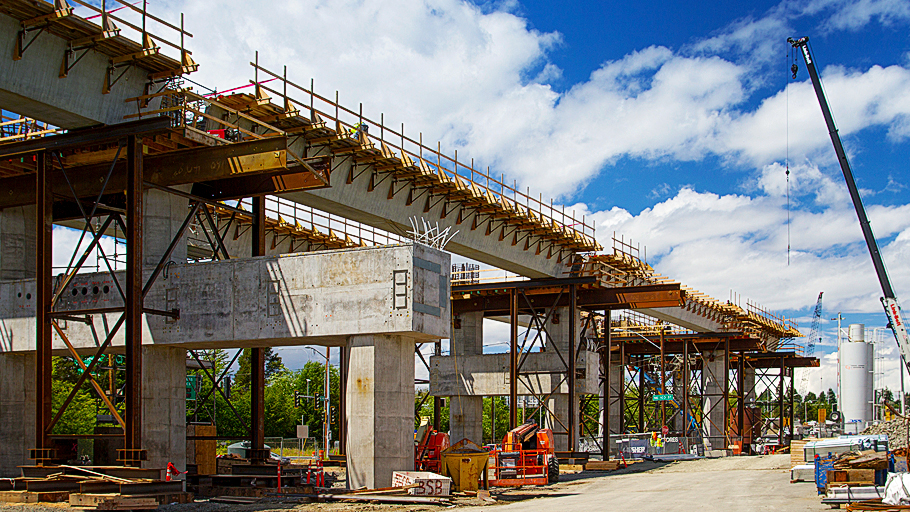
(553, 470)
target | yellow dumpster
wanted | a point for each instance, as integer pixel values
(465, 463)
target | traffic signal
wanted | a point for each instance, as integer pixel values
(297, 399)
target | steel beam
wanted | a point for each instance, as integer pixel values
(622, 387)
(572, 425)
(257, 361)
(437, 402)
(605, 363)
(242, 160)
(86, 137)
(636, 346)
(342, 401)
(780, 404)
(43, 301)
(513, 359)
(686, 377)
(633, 297)
(726, 433)
(133, 313)
(741, 402)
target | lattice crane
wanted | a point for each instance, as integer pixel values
(810, 346)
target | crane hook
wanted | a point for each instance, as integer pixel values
(794, 68)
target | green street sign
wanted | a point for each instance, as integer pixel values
(662, 398)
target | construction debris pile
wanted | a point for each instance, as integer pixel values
(896, 429)
(101, 488)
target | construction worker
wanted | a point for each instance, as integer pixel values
(360, 131)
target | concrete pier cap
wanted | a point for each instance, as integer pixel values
(317, 298)
(375, 302)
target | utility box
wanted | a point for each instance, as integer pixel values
(428, 484)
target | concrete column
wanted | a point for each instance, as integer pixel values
(712, 376)
(17, 243)
(466, 412)
(164, 214)
(17, 406)
(616, 390)
(379, 408)
(749, 386)
(164, 406)
(559, 404)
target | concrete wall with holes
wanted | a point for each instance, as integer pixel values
(318, 298)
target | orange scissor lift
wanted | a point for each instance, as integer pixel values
(527, 457)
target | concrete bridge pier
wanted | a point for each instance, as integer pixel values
(17, 403)
(713, 381)
(17, 370)
(559, 404)
(379, 406)
(614, 410)
(164, 406)
(466, 412)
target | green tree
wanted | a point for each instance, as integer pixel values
(312, 409)
(832, 399)
(501, 416)
(273, 365)
(427, 410)
(80, 415)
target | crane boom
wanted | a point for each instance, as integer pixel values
(889, 300)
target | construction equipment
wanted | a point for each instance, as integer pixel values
(810, 345)
(889, 301)
(428, 448)
(527, 457)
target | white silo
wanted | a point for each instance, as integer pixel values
(856, 376)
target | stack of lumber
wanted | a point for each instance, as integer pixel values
(93, 487)
(851, 477)
(867, 459)
(603, 465)
(797, 456)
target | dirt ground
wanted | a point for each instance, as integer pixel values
(735, 484)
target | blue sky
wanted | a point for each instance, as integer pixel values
(671, 123)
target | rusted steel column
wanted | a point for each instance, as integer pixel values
(741, 401)
(573, 344)
(641, 394)
(791, 404)
(43, 296)
(257, 360)
(513, 359)
(133, 313)
(726, 397)
(605, 363)
(343, 390)
(622, 386)
(685, 400)
(780, 405)
(663, 380)
(437, 402)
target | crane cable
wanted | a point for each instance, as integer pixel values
(790, 57)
